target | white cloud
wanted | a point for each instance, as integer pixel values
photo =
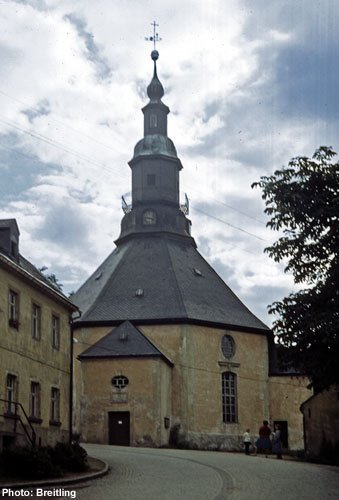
(73, 79)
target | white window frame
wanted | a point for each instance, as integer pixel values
(55, 404)
(11, 389)
(229, 397)
(55, 331)
(13, 307)
(35, 399)
(36, 321)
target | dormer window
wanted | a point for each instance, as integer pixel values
(153, 121)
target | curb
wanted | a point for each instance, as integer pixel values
(63, 481)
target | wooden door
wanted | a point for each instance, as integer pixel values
(119, 428)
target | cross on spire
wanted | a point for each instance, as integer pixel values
(155, 37)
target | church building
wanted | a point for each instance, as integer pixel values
(166, 353)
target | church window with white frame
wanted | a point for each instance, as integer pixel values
(229, 398)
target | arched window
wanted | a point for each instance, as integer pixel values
(229, 397)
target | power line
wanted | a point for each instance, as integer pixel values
(115, 150)
(86, 158)
(51, 142)
(229, 224)
(199, 369)
(32, 158)
(29, 106)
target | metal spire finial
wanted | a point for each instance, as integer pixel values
(155, 37)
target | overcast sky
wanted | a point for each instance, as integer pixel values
(250, 84)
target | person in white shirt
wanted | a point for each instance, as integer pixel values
(247, 441)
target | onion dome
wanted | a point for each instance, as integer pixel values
(155, 144)
(155, 90)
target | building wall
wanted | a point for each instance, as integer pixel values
(32, 360)
(321, 421)
(286, 395)
(198, 366)
(194, 401)
(146, 398)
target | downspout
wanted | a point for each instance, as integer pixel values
(71, 371)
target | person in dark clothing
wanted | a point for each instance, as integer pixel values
(264, 441)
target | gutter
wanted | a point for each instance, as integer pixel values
(25, 274)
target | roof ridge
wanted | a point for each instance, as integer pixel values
(152, 343)
(231, 291)
(104, 288)
(176, 282)
(112, 334)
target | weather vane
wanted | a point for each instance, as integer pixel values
(155, 37)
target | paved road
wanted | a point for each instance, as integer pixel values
(152, 474)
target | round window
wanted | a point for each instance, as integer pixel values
(228, 346)
(120, 381)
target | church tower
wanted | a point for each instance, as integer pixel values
(165, 351)
(155, 175)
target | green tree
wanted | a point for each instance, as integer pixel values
(52, 278)
(302, 202)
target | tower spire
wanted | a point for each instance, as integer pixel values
(155, 208)
(155, 37)
(155, 90)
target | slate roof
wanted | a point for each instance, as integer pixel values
(123, 341)
(6, 223)
(29, 271)
(178, 286)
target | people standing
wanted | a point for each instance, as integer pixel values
(276, 442)
(247, 441)
(264, 441)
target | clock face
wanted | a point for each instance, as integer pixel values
(149, 218)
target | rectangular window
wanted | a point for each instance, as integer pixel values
(36, 321)
(151, 180)
(13, 309)
(153, 121)
(35, 400)
(55, 405)
(55, 331)
(11, 388)
(229, 397)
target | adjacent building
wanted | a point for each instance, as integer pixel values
(166, 352)
(35, 349)
(321, 424)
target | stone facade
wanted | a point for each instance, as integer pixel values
(217, 382)
(321, 421)
(286, 393)
(30, 366)
(189, 394)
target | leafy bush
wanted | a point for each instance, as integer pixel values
(28, 463)
(70, 457)
(43, 462)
